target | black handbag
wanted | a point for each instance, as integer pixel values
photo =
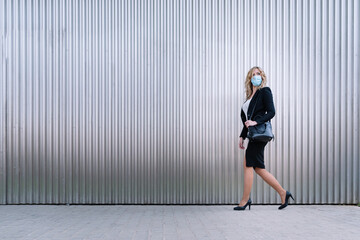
(261, 132)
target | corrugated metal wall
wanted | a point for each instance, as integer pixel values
(139, 101)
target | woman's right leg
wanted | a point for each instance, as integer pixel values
(271, 180)
(248, 181)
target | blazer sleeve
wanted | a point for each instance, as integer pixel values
(244, 130)
(269, 106)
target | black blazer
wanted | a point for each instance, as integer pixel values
(264, 109)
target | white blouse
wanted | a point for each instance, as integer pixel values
(245, 107)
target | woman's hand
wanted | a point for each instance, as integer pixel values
(250, 123)
(241, 143)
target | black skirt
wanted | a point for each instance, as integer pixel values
(255, 154)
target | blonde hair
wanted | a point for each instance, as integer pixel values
(248, 84)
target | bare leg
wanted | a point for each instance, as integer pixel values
(248, 181)
(271, 180)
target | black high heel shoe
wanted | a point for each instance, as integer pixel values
(288, 195)
(244, 207)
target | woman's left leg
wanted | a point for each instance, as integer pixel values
(271, 180)
(248, 181)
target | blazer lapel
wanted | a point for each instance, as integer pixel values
(252, 103)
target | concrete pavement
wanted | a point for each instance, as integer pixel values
(178, 222)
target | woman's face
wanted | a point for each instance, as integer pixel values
(255, 72)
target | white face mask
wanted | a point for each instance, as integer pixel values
(256, 80)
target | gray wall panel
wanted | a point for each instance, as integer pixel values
(139, 101)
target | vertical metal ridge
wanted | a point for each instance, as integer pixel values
(356, 99)
(3, 103)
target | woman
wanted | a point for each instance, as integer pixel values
(261, 96)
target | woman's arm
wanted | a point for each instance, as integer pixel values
(244, 130)
(269, 106)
